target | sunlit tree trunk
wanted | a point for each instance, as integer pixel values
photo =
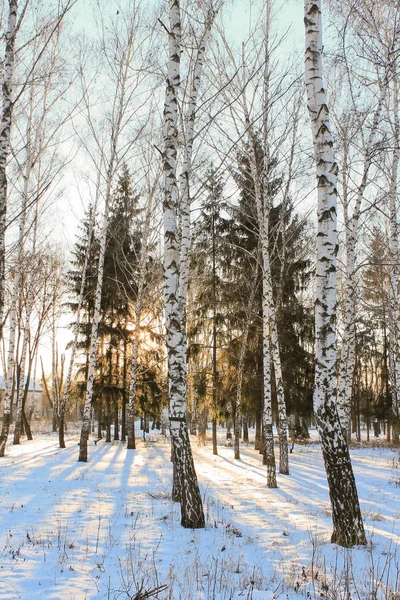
(348, 529)
(191, 503)
(5, 137)
(263, 212)
(263, 220)
(9, 379)
(83, 443)
(394, 255)
(184, 184)
(64, 399)
(12, 352)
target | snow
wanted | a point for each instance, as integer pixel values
(107, 529)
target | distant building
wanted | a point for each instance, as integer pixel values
(34, 406)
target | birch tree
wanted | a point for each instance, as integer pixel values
(5, 135)
(348, 528)
(394, 254)
(368, 40)
(185, 480)
(67, 387)
(33, 109)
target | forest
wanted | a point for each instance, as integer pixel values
(200, 286)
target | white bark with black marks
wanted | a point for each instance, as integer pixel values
(263, 223)
(185, 479)
(85, 430)
(5, 138)
(394, 256)
(348, 528)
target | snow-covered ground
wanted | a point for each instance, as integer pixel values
(107, 529)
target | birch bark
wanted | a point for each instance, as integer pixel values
(9, 381)
(184, 183)
(84, 437)
(64, 399)
(5, 137)
(185, 479)
(11, 354)
(263, 221)
(394, 255)
(348, 529)
(263, 212)
(240, 368)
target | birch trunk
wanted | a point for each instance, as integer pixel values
(83, 443)
(348, 529)
(5, 137)
(9, 381)
(64, 399)
(214, 342)
(263, 212)
(54, 360)
(394, 314)
(191, 504)
(19, 406)
(184, 187)
(184, 184)
(21, 242)
(238, 403)
(263, 221)
(11, 355)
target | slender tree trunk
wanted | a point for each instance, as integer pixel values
(394, 314)
(184, 188)
(214, 342)
(21, 393)
(8, 392)
(124, 394)
(192, 515)
(348, 529)
(54, 361)
(267, 299)
(83, 443)
(263, 212)
(64, 400)
(11, 355)
(184, 196)
(243, 347)
(5, 137)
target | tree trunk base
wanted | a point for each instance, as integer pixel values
(348, 528)
(192, 514)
